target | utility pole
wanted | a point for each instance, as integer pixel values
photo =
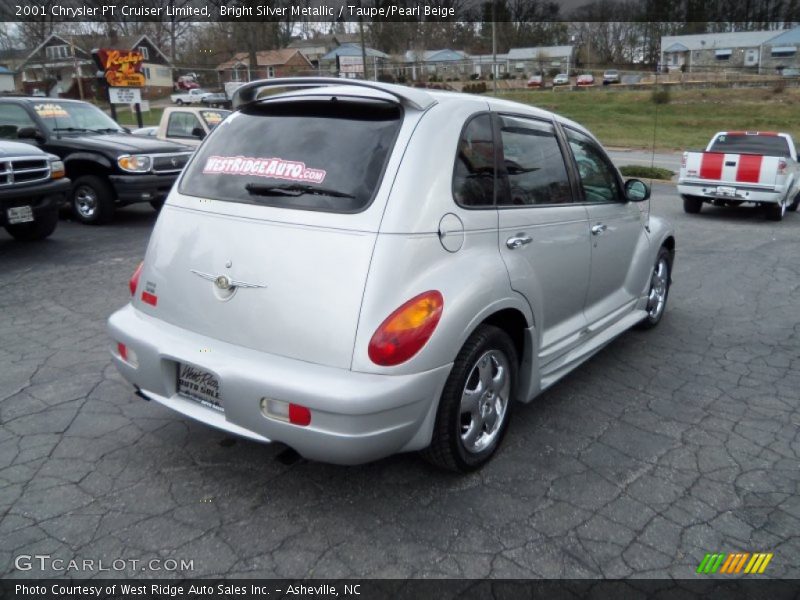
(494, 47)
(76, 68)
(363, 47)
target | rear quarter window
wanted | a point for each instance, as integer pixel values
(327, 155)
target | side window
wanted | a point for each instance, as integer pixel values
(181, 124)
(473, 176)
(533, 163)
(13, 118)
(597, 175)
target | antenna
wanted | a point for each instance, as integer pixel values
(653, 146)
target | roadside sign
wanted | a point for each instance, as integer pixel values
(122, 68)
(119, 95)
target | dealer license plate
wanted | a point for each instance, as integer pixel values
(726, 191)
(199, 385)
(19, 214)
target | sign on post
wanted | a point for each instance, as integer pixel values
(121, 95)
(123, 68)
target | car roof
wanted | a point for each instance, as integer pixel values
(431, 98)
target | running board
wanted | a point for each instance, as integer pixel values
(556, 351)
(555, 370)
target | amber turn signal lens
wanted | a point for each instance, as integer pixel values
(404, 332)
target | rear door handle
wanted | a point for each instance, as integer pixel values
(599, 228)
(518, 241)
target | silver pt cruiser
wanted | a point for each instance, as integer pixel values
(356, 269)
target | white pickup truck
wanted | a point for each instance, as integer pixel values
(194, 96)
(742, 166)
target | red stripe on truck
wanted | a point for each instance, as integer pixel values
(749, 170)
(711, 165)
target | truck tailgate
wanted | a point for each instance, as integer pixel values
(731, 169)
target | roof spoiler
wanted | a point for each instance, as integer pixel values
(414, 98)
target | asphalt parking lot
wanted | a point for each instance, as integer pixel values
(667, 445)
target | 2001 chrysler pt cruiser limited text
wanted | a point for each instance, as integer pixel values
(356, 269)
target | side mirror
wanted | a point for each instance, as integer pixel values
(636, 191)
(30, 133)
(199, 133)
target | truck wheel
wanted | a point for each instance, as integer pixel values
(775, 212)
(179, 102)
(475, 406)
(92, 200)
(42, 227)
(795, 203)
(692, 204)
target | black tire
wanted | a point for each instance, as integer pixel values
(656, 312)
(692, 204)
(775, 212)
(448, 449)
(795, 203)
(39, 229)
(179, 102)
(92, 200)
(157, 204)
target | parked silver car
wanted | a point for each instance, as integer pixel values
(356, 269)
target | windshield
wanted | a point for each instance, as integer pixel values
(768, 145)
(326, 155)
(74, 116)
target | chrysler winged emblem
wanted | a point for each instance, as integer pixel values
(224, 282)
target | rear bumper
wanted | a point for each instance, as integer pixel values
(355, 417)
(142, 188)
(743, 193)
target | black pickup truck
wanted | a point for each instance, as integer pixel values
(32, 185)
(108, 166)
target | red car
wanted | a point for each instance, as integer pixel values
(186, 83)
(586, 79)
(536, 81)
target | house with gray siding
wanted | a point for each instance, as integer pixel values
(443, 63)
(540, 59)
(740, 51)
(780, 53)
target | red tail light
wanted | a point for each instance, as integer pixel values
(781, 167)
(406, 330)
(134, 282)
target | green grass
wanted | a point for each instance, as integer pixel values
(644, 172)
(631, 118)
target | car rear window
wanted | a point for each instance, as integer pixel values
(323, 154)
(768, 145)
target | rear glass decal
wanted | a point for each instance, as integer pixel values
(276, 168)
(50, 110)
(212, 117)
